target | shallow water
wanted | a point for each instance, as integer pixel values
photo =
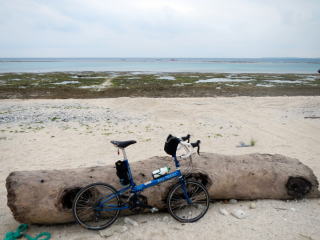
(230, 65)
(216, 80)
(167, 78)
(66, 82)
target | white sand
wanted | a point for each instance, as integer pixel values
(276, 123)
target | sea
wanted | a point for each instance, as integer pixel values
(220, 65)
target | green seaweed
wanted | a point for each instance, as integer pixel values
(116, 84)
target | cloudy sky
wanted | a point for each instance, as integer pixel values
(159, 28)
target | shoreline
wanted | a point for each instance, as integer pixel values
(134, 72)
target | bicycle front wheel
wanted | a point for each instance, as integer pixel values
(96, 206)
(185, 211)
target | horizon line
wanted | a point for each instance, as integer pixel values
(178, 57)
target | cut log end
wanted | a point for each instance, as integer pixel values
(298, 187)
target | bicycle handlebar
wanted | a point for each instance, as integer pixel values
(189, 147)
(186, 138)
(174, 143)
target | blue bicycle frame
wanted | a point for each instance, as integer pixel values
(139, 188)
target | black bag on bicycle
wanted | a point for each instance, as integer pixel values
(171, 145)
(122, 172)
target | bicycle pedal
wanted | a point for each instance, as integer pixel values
(153, 210)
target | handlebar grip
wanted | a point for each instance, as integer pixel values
(196, 145)
(186, 138)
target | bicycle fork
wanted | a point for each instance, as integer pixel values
(184, 189)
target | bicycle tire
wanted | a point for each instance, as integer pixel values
(178, 207)
(87, 201)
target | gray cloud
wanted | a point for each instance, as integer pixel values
(159, 28)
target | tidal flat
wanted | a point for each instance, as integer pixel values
(155, 84)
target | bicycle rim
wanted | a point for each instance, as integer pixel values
(183, 211)
(93, 210)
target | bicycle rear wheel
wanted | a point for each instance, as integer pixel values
(96, 206)
(185, 212)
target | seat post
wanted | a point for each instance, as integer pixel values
(124, 154)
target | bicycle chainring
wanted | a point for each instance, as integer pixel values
(138, 203)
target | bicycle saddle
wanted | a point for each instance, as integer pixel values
(123, 144)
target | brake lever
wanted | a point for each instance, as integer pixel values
(196, 145)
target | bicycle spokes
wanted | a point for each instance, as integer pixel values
(189, 203)
(93, 213)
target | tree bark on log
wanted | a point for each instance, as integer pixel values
(45, 197)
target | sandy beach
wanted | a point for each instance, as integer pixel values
(59, 134)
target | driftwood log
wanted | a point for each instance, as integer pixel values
(46, 197)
